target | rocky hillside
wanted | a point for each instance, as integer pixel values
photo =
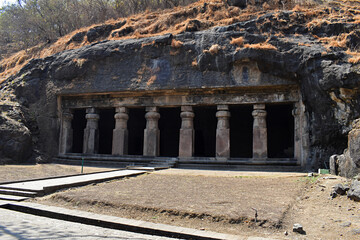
(317, 45)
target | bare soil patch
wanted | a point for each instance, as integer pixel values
(26, 172)
(224, 201)
(209, 200)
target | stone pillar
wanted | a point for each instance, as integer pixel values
(259, 132)
(187, 133)
(152, 133)
(223, 132)
(66, 134)
(91, 132)
(120, 133)
(297, 134)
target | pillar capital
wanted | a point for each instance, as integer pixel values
(259, 113)
(152, 109)
(91, 110)
(222, 107)
(67, 115)
(92, 116)
(152, 115)
(223, 114)
(186, 108)
(121, 109)
(259, 106)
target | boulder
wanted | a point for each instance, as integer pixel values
(354, 191)
(348, 164)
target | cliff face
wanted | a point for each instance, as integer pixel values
(329, 80)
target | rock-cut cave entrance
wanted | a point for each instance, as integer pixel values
(205, 131)
(136, 125)
(241, 127)
(78, 124)
(169, 125)
(106, 127)
(280, 126)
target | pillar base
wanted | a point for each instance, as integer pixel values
(223, 143)
(120, 142)
(151, 142)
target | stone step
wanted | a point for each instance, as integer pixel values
(99, 163)
(265, 168)
(12, 198)
(20, 193)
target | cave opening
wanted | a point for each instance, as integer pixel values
(106, 127)
(280, 127)
(169, 126)
(241, 131)
(78, 125)
(205, 131)
(136, 126)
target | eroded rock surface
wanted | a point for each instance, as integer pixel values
(329, 83)
(348, 164)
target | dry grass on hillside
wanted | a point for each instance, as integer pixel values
(197, 16)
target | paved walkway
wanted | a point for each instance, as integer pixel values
(17, 225)
(117, 222)
(46, 186)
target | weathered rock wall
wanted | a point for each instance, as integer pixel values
(329, 84)
(348, 164)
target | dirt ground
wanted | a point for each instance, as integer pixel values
(221, 201)
(25, 172)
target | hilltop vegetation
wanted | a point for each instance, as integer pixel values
(39, 28)
(30, 22)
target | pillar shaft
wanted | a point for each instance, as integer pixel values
(152, 133)
(66, 135)
(259, 132)
(187, 134)
(223, 132)
(120, 133)
(91, 132)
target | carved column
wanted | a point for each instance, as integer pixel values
(223, 132)
(186, 143)
(259, 132)
(297, 132)
(152, 132)
(91, 132)
(66, 134)
(120, 133)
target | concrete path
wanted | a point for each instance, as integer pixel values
(46, 186)
(16, 225)
(117, 222)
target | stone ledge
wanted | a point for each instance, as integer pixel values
(116, 222)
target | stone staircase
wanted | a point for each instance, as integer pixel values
(14, 194)
(163, 163)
